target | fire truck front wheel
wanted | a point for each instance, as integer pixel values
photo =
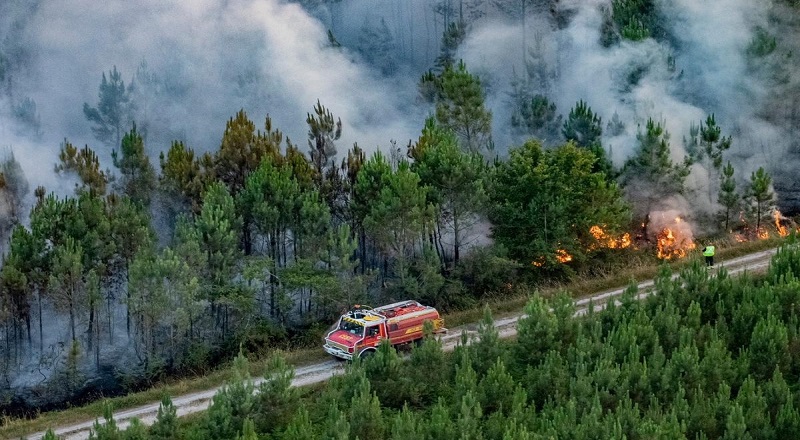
(366, 353)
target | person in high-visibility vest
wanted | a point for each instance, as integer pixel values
(708, 252)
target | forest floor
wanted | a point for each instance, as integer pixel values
(320, 371)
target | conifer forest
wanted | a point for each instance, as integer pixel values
(186, 186)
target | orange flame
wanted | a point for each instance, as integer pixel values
(671, 245)
(608, 241)
(563, 256)
(783, 231)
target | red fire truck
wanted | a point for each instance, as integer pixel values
(359, 331)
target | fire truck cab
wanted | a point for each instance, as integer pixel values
(359, 331)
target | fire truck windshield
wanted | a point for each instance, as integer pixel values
(352, 327)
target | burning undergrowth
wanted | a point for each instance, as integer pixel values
(779, 226)
(671, 233)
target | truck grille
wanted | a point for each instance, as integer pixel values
(337, 345)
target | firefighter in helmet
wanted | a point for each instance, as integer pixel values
(708, 252)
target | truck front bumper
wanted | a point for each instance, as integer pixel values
(338, 352)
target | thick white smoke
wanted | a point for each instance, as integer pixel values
(210, 59)
(701, 70)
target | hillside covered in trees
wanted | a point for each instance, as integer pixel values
(173, 238)
(706, 357)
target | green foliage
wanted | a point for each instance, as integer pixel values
(728, 197)
(138, 176)
(218, 227)
(759, 196)
(534, 114)
(452, 37)
(165, 427)
(323, 132)
(545, 202)
(399, 213)
(136, 430)
(651, 174)
(300, 428)
(181, 175)
(113, 112)
(242, 150)
(636, 19)
(762, 44)
(583, 126)
(460, 107)
(406, 425)
(232, 404)
(86, 165)
(707, 143)
(107, 430)
(277, 394)
(366, 419)
(336, 425)
(455, 180)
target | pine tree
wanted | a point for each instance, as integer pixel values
(488, 348)
(769, 347)
(165, 427)
(232, 404)
(248, 431)
(456, 181)
(335, 425)
(136, 430)
(461, 108)
(760, 196)
(107, 430)
(469, 418)
(406, 425)
(440, 426)
(300, 427)
(736, 425)
(651, 173)
(277, 394)
(113, 112)
(181, 176)
(496, 389)
(366, 418)
(728, 197)
(86, 165)
(583, 126)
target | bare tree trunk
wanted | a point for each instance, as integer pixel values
(456, 238)
(41, 331)
(90, 330)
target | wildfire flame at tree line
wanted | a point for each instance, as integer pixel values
(673, 243)
(782, 224)
(674, 238)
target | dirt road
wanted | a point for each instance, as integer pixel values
(311, 374)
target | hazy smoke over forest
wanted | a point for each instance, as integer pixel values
(208, 59)
(199, 61)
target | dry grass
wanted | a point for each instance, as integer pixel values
(507, 303)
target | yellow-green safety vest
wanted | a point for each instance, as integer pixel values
(708, 251)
